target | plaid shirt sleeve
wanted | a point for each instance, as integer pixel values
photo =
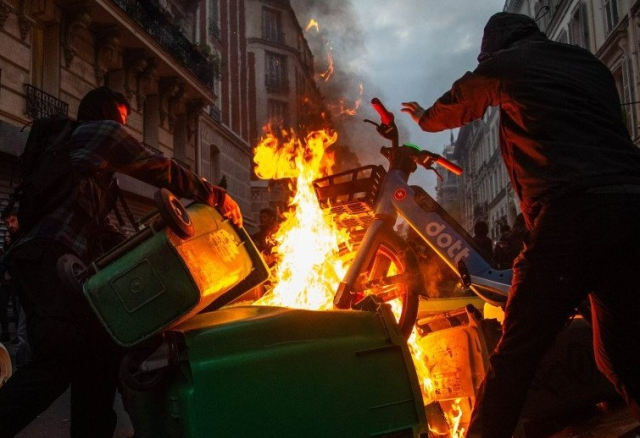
(108, 146)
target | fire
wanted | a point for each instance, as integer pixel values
(453, 417)
(341, 107)
(312, 24)
(307, 275)
(328, 73)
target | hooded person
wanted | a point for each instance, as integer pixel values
(69, 345)
(576, 172)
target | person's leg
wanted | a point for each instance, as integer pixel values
(533, 318)
(545, 291)
(615, 304)
(56, 334)
(94, 386)
(30, 391)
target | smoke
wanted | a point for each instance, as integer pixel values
(338, 42)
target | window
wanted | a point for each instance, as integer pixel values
(542, 15)
(151, 120)
(276, 72)
(611, 11)
(180, 138)
(214, 20)
(271, 25)
(562, 38)
(45, 67)
(214, 171)
(579, 27)
(277, 112)
(627, 96)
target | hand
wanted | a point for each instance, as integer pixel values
(414, 110)
(231, 210)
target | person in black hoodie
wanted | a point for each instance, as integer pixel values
(70, 346)
(576, 172)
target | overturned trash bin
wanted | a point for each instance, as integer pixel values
(171, 270)
(274, 372)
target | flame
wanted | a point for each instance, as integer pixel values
(306, 276)
(312, 24)
(328, 73)
(341, 108)
(453, 417)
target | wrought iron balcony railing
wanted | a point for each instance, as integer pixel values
(41, 104)
(205, 67)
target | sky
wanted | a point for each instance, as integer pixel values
(399, 50)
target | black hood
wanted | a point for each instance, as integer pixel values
(504, 29)
(101, 104)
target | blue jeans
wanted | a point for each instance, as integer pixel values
(584, 245)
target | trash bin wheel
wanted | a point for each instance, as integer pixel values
(132, 376)
(71, 271)
(174, 214)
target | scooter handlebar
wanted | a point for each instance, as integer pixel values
(385, 116)
(426, 158)
(451, 167)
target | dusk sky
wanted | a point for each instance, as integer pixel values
(398, 50)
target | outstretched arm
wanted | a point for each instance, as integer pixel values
(467, 101)
(108, 146)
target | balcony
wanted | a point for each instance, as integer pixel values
(205, 67)
(41, 104)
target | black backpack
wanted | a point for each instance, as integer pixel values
(46, 177)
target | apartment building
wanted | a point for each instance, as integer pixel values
(182, 64)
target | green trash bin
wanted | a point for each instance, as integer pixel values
(165, 279)
(252, 371)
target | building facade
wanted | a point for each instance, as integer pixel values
(182, 64)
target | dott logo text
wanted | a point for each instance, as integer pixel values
(454, 250)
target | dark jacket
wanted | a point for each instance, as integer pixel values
(561, 123)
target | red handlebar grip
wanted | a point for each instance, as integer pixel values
(385, 116)
(449, 165)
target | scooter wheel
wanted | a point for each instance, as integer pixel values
(174, 214)
(133, 377)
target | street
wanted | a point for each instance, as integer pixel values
(54, 422)
(602, 421)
